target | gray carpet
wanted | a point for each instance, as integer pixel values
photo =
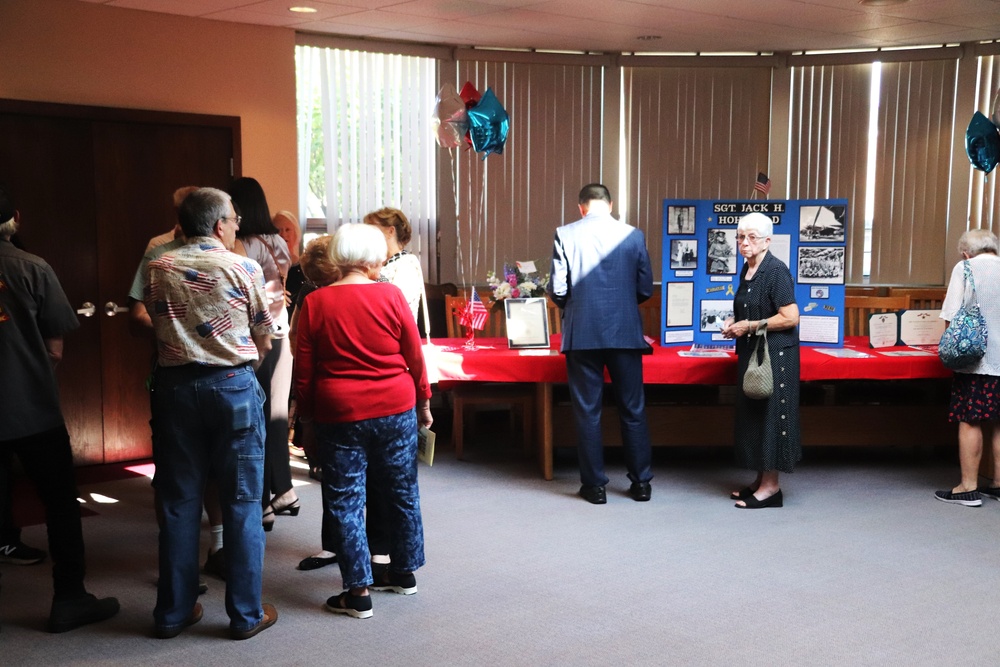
(861, 567)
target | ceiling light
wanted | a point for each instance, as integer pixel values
(303, 10)
(881, 3)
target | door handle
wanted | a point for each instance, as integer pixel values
(111, 309)
(87, 309)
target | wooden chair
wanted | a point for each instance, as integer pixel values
(555, 317)
(519, 398)
(857, 310)
(921, 298)
(649, 311)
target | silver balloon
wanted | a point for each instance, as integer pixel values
(450, 120)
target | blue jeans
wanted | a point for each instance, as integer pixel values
(208, 421)
(384, 448)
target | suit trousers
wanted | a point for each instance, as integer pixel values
(585, 371)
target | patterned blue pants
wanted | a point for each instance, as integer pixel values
(384, 448)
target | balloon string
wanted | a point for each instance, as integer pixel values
(458, 219)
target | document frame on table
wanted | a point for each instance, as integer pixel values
(527, 322)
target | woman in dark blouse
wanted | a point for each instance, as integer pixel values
(767, 430)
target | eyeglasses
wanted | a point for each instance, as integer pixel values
(752, 238)
(237, 219)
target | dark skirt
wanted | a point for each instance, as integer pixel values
(974, 398)
(767, 431)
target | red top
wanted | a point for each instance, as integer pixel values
(358, 354)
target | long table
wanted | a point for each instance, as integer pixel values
(492, 361)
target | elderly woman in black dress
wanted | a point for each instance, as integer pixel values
(767, 430)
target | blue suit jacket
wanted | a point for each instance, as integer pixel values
(600, 275)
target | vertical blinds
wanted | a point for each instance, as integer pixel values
(693, 133)
(377, 146)
(912, 174)
(828, 145)
(509, 205)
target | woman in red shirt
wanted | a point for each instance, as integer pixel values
(362, 390)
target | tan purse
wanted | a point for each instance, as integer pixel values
(757, 380)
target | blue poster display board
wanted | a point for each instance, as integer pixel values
(702, 265)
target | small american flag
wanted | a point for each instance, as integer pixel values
(215, 327)
(475, 312)
(763, 183)
(198, 281)
(245, 345)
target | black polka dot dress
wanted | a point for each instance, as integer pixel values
(767, 431)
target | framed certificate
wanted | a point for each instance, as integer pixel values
(527, 322)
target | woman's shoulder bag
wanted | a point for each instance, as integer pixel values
(964, 341)
(757, 380)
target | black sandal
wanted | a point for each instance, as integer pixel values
(752, 503)
(741, 495)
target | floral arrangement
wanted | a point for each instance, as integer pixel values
(516, 282)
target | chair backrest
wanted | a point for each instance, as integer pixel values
(921, 298)
(454, 306)
(555, 317)
(649, 311)
(857, 310)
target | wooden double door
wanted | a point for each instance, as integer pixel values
(93, 185)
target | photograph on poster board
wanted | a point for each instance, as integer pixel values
(680, 219)
(821, 265)
(822, 224)
(683, 253)
(714, 314)
(721, 252)
(819, 292)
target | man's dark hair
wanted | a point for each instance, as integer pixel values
(594, 191)
(6, 204)
(200, 210)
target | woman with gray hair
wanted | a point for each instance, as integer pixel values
(975, 390)
(767, 430)
(362, 390)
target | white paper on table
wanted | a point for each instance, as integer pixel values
(921, 327)
(843, 352)
(819, 329)
(883, 330)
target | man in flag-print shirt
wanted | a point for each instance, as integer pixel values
(212, 327)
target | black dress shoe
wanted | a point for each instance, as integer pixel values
(593, 494)
(74, 612)
(640, 491)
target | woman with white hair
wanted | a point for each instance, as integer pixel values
(767, 430)
(361, 385)
(975, 391)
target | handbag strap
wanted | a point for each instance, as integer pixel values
(967, 268)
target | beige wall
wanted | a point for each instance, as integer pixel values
(80, 53)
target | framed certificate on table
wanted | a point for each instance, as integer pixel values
(527, 322)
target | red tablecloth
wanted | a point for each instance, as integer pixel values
(493, 361)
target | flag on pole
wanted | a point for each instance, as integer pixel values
(475, 313)
(763, 184)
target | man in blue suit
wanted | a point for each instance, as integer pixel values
(600, 275)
